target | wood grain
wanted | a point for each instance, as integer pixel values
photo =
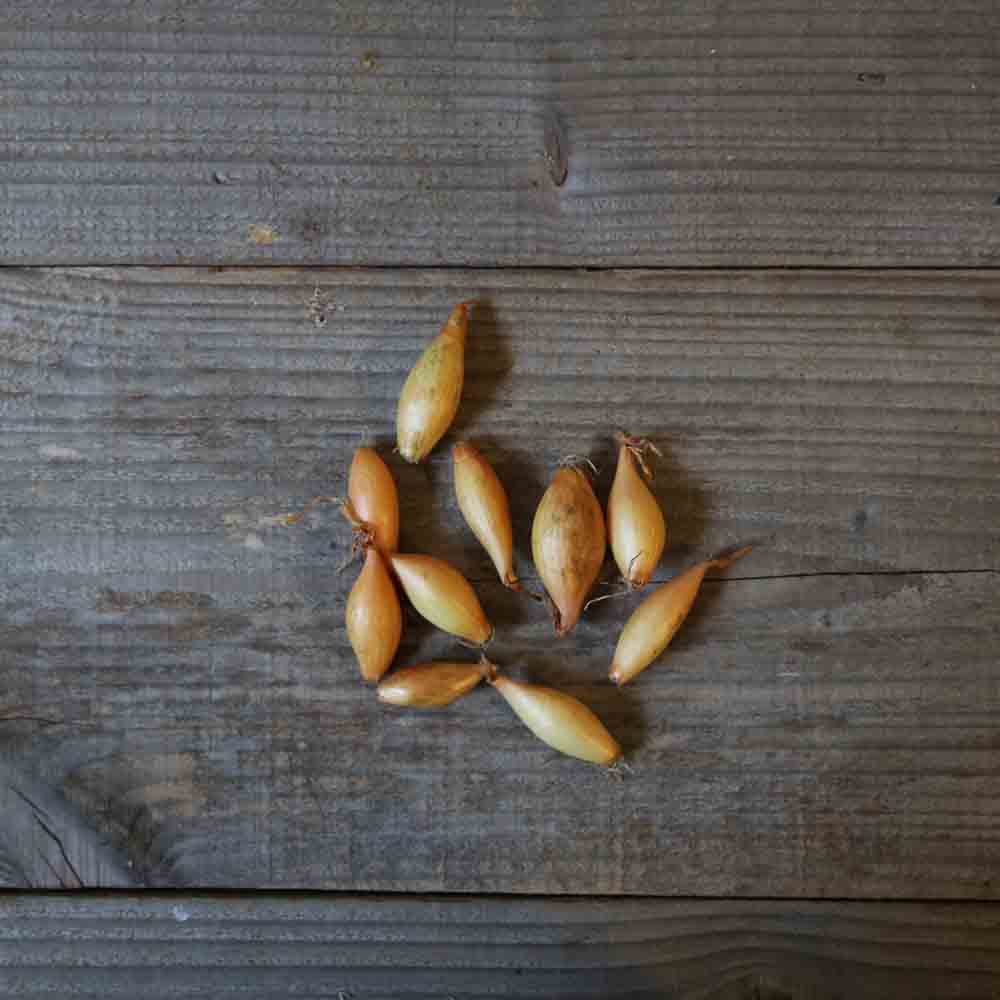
(843, 422)
(270, 947)
(179, 692)
(42, 842)
(499, 132)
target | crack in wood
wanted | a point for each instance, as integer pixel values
(78, 848)
(39, 813)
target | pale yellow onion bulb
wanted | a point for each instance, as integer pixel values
(429, 685)
(568, 542)
(637, 530)
(559, 720)
(443, 596)
(373, 495)
(655, 622)
(483, 502)
(431, 393)
(374, 617)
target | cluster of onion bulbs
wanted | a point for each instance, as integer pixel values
(569, 538)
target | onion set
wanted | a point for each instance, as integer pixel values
(431, 393)
(484, 505)
(655, 622)
(372, 493)
(374, 617)
(429, 685)
(637, 530)
(568, 542)
(443, 596)
(558, 719)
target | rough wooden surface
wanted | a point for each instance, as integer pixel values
(274, 947)
(156, 418)
(518, 132)
(179, 703)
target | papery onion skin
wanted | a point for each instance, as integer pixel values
(658, 618)
(429, 685)
(374, 497)
(486, 509)
(568, 543)
(374, 617)
(637, 530)
(433, 389)
(443, 596)
(559, 720)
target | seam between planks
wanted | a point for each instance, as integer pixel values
(846, 269)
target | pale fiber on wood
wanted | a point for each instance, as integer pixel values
(501, 132)
(191, 701)
(275, 947)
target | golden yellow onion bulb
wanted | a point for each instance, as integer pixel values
(429, 685)
(374, 617)
(372, 493)
(568, 543)
(484, 505)
(655, 622)
(442, 595)
(558, 719)
(637, 530)
(433, 389)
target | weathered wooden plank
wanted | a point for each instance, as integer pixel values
(828, 736)
(845, 423)
(517, 132)
(366, 948)
(178, 683)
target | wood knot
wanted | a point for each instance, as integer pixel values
(556, 152)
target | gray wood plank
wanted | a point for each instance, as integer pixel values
(366, 948)
(844, 422)
(179, 695)
(516, 132)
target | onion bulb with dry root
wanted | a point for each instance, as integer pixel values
(429, 685)
(558, 719)
(431, 393)
(374, 617)
(637, 531)
(483, 502)
(655, 622)
(443, 596)
(568, 543)
(371, 491)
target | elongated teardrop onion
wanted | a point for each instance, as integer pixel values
(637, 530)
(568, 543)
(433, 389)
(484, 505)
(559, 720)
(429, 685)
(443, 596)
(374, 617)
(655, 622)
(373, 495)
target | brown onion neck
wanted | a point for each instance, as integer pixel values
(488, 669)
(457, 326)
(726, 559)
